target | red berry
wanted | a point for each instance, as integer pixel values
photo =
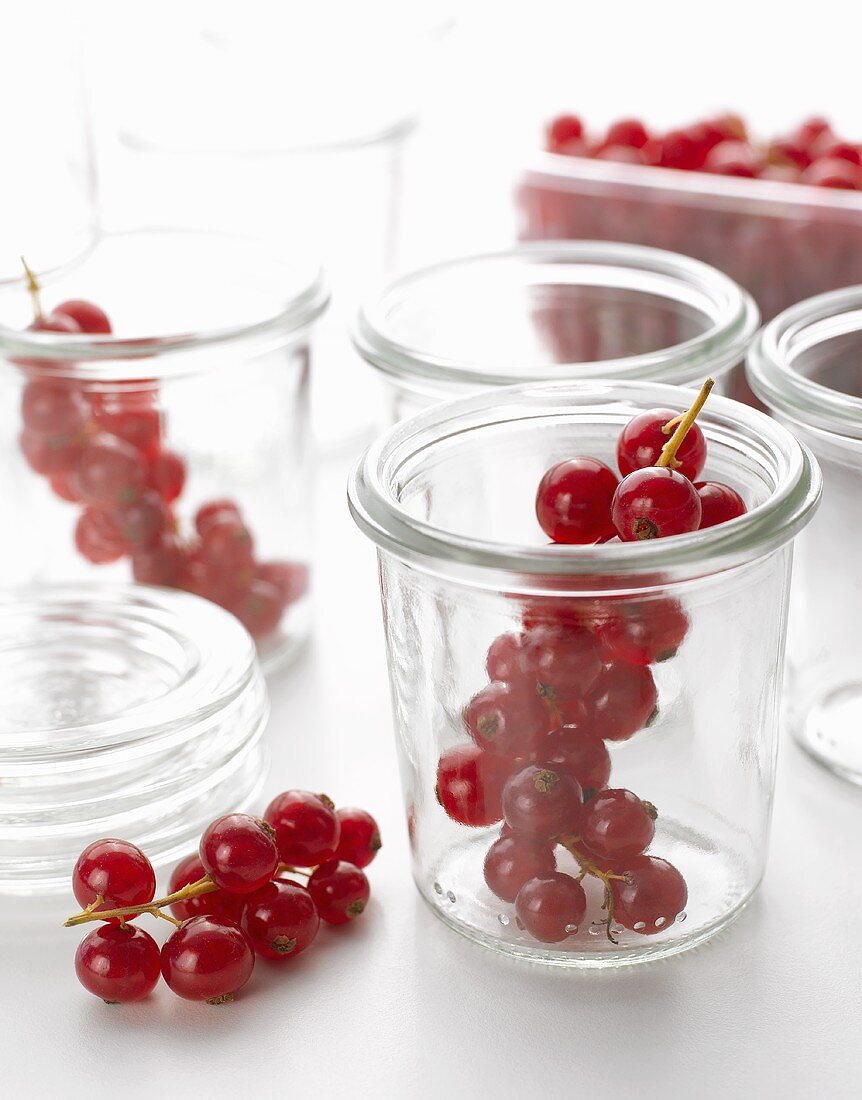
(117, 870)
(627, 131)
(55, 322)
(551, 908)
(307, 831)
(339, 890)
(682, 149)
(360, 837)
(655, 503)
(718, 503)
(643, 438)
(217, 902)
(213, 510)
(89, 317)
(227, 543)
(650, 896)
(470, 785)
(832, 172)
(841, 150)
(543, 802)
(134, 421)
(142, 521)
(259, 608)
(65, 486)
(120, 965)
(733, 158)
(810, 130)
(617, 826)
(642, 632)
(163, 563)
(563, 661)
(622, 154)
(53, 406)
(50, 454)
(507, 718)
(281, 920)
(573, 501)
(504, 660)
(784, 152)
(98, 537)
(239, 853)
(110, 471)
(562, 130)
(623, 701)
(289, 578)
(208, 958)
(585, 757)
(512, 860)
(167, 475)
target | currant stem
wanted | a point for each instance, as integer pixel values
(668, 453)
(203, 885)
(33, 289)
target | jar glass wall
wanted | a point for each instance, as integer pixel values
(560, 311)
(688, 634)
(113, 442)
(805, 366)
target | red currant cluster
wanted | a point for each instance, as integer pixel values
(234, 899)
(575, 678)
(810, 248)
(812, 153)
(104, 450)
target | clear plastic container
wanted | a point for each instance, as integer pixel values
(48, 206)
(560, 311)
(124, 711)
(780, 241)
(209, 364)
(693, 626)
(266, 144)
(806, 365)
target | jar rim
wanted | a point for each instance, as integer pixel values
(97, 356)
(772, 362)
(376, 509)
(733, 314)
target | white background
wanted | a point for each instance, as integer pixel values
(396, 1005)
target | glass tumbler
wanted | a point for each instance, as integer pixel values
(806, 365)
(567, 310)
(173, 450)
(668, 657)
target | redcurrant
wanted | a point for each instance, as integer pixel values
(512, 860)
(542, 801)
(718, 503)
(118, 964)
(507, 718)
(98, 537)
(641, 442)
(208, 958)
(281, 920)
(650, 896)
(89, 317)
(116, 871)
(111, 471)
(551, 908)
(623, 701)
(339, 890)
(217, 902)
(360, 837)
(573, 501)
(655, 503)
(585, 757)
(307, 831)
(470, 785)
(239, 853)
(616, 825)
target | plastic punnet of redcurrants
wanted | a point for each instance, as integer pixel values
(575, 679)
(237, 899)
(107, 452)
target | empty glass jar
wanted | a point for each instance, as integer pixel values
(806, 365)
(682, 641)
(114, 442)
(545, 312)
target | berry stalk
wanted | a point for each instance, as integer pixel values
(203, 885)
(668, 454)
(33, 289)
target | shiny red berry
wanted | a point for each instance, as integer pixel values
(627, 131)
(89, 317)
(470, 785)
(307, 830)
(617, 825)
(833, 172)
(573, 501)
(115, 869)
(507, 718)
(217, 902)
(281, 920)
(551, 908)
(339, 890)
(583, 755)
(212, 510)
(134, 420)
(564, 129)
(162, 563)
(642, 632)
(111, 472)
(208, 958)
(98, 537)
(360, 837)
(118, 964)
(650, 896)
(655, 503)
(167, 475)
(563, 661)
(53, 406)
(623, 701)
(239, 853)
(718, 503)
(513, 860)
(641, 442)
(543, 802)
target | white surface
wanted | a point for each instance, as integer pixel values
(397, 1005)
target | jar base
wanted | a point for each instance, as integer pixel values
(829, 731)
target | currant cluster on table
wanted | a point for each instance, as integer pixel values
(810, 248)
(577, 677)
(235, 899)
(103, 449)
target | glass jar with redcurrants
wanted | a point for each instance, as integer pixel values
(156, 425)
(587, 731)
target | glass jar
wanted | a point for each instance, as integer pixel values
(112, 443)
(561, 311)
(124, 711)
(690, 635)
(48, 184)
(806, 365)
